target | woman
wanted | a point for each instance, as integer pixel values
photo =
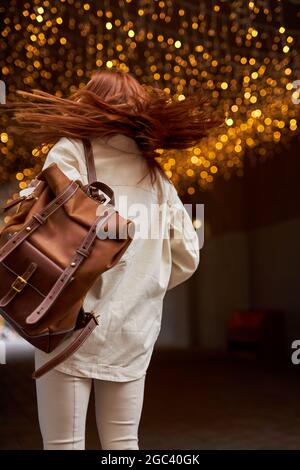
(126, 122)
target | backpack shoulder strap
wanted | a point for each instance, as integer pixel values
(89, 160)
(95, 185)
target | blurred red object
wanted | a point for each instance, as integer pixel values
(261, 332)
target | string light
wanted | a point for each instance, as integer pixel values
(240, 53)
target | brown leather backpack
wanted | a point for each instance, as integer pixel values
(51, 254)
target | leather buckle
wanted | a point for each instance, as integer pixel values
(21, 280)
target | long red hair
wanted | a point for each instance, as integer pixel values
(114, 102)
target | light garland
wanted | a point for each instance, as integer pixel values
(240, 53)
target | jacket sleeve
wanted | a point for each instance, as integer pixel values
(67, 154)
(184, 242)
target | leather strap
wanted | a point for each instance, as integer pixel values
(12, 203)
(104, 188)
(18, 285)
(70, 349)
(9, 205)
(81, 253)
(38, 219)
(93, 185)
(89, 160)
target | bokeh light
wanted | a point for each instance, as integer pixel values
(242, 54)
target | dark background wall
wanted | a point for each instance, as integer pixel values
(250, 258)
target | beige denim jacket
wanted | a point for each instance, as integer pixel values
(128, 297)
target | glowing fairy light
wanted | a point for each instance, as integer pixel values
(55, 46)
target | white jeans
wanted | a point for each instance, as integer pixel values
(62, 406)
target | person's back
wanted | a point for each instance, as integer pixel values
(129, 297)
(126, 123)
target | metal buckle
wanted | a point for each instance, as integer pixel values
(95, 317)
(19, 279)
(103, 197)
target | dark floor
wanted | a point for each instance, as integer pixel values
(189, 404)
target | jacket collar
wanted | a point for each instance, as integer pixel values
(122, 143)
